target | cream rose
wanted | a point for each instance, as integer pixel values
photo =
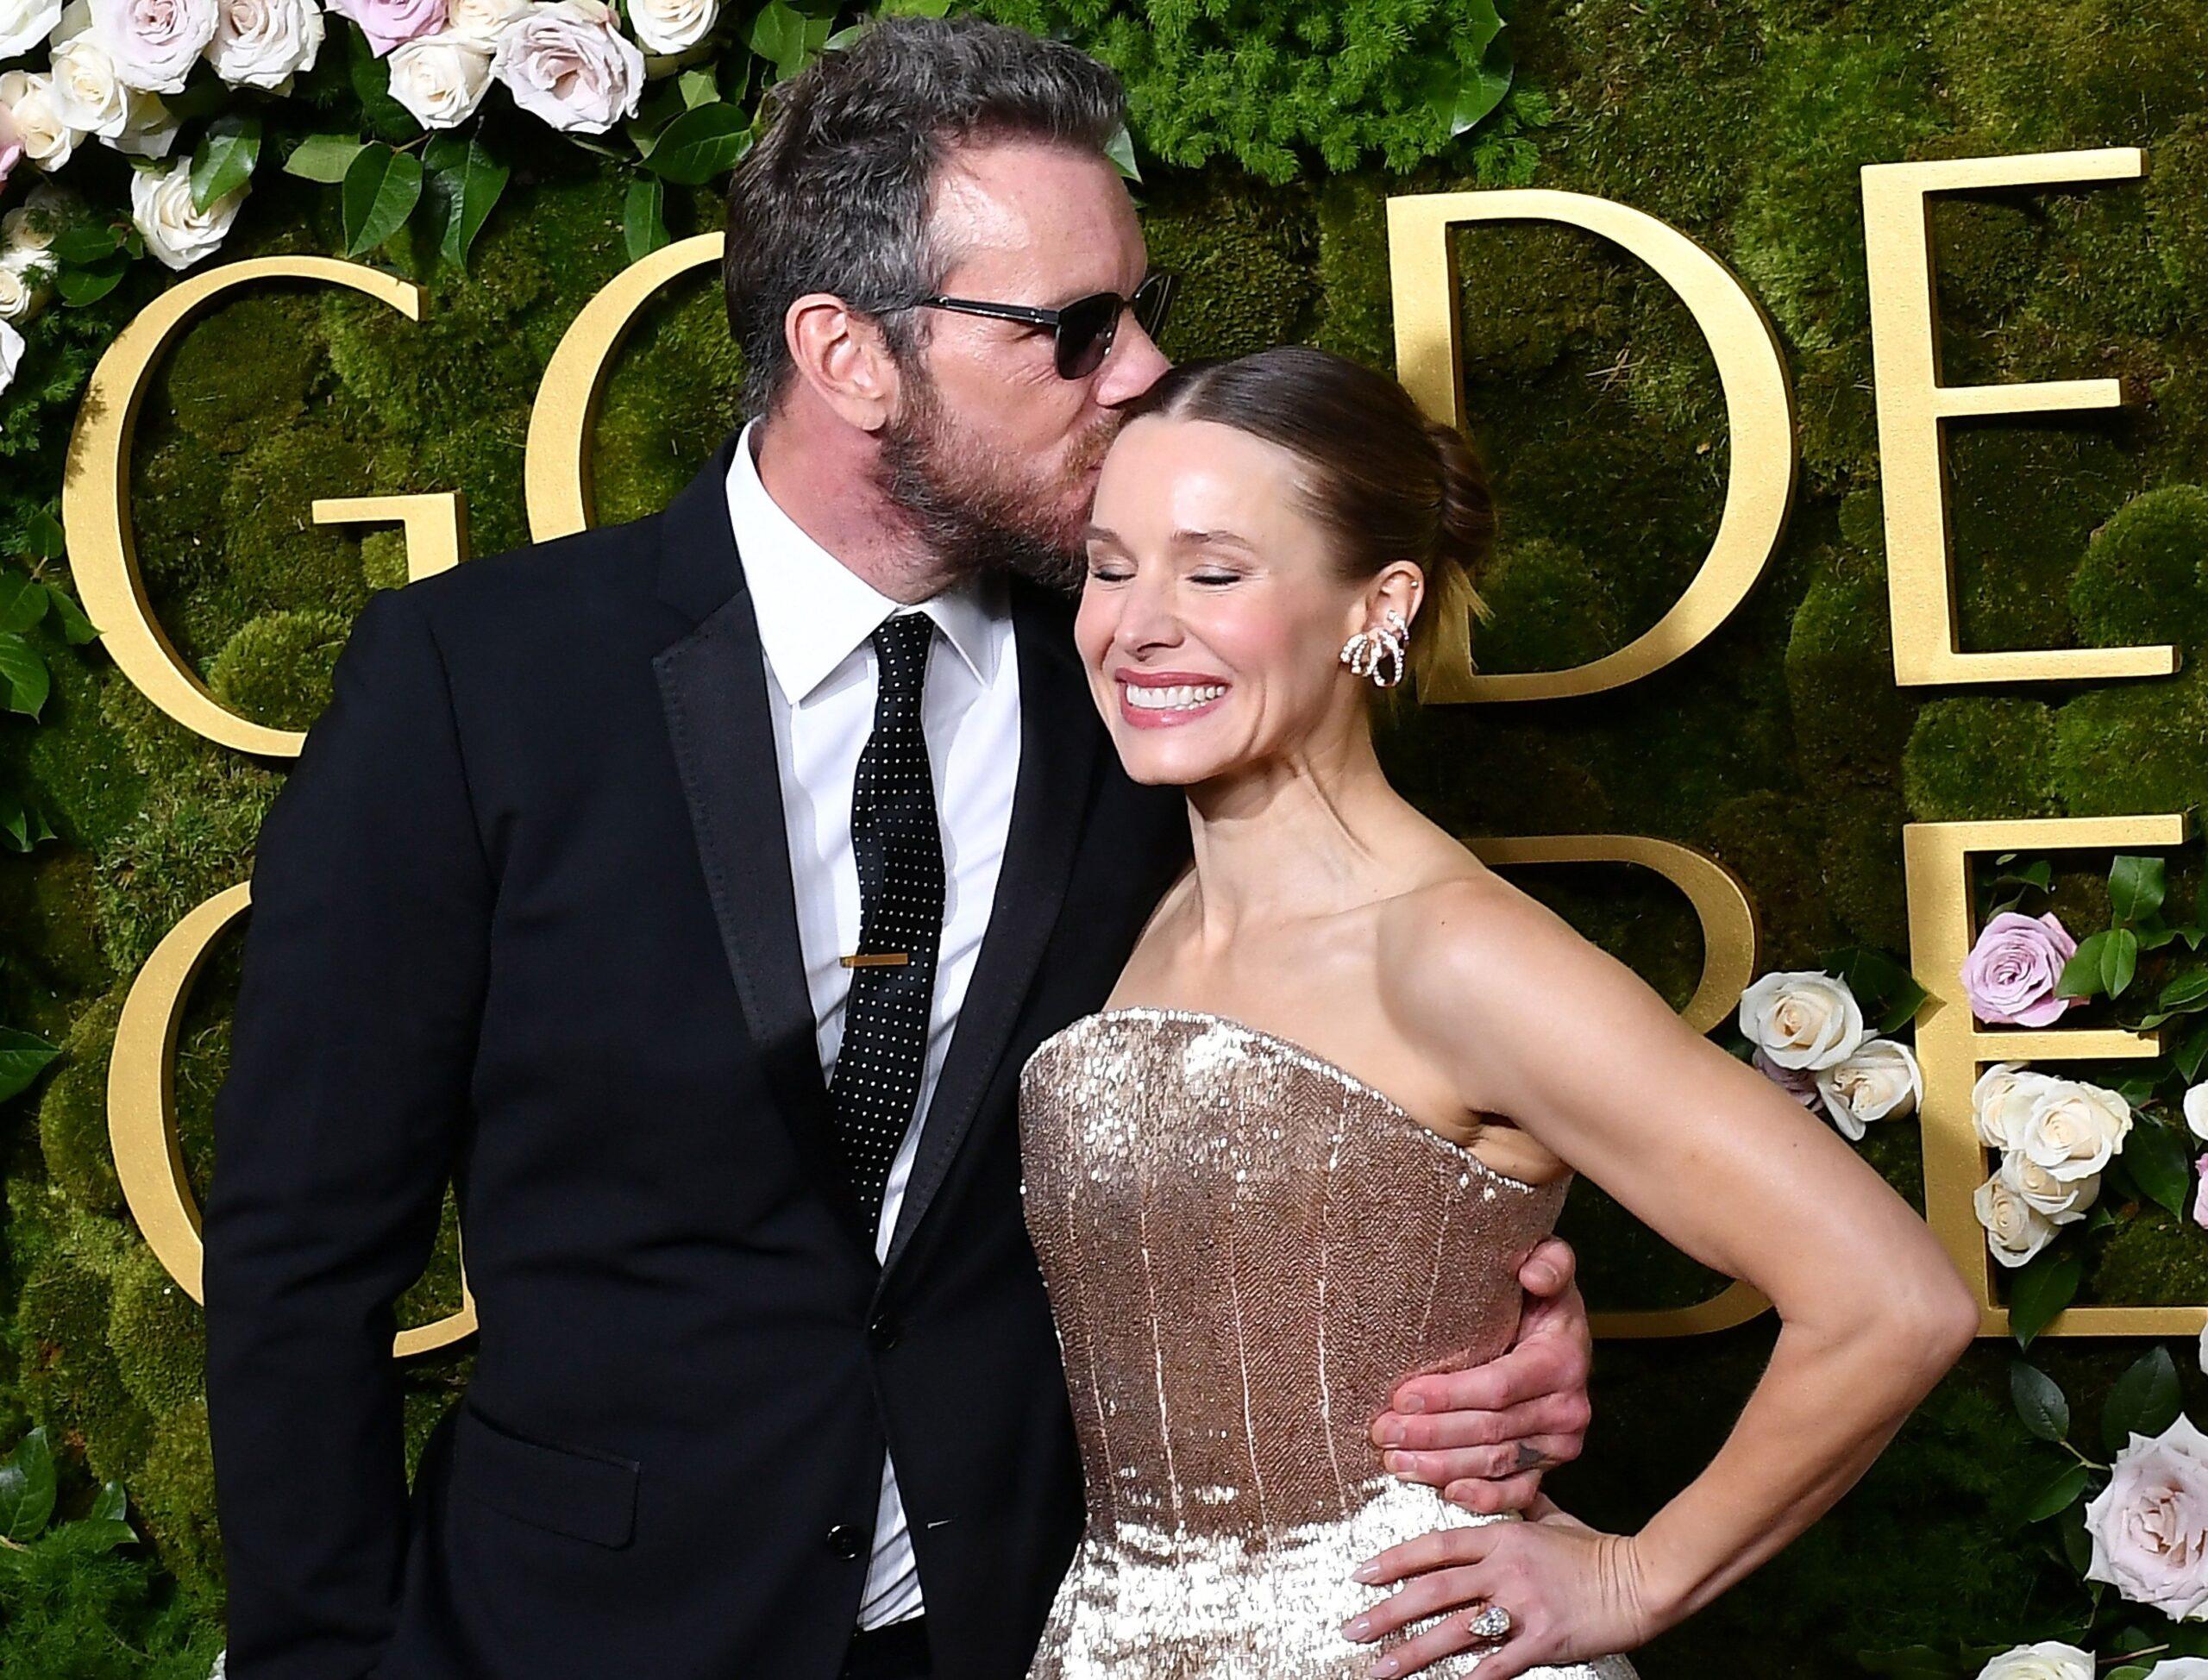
(2074, 1128)
(49, 140)
(567, 64)
(24, 289)
(671, 26)
(1881, 1081)
(148, 128)
(263, 43)
(2149, 1525)
(176, 233)
(87, 93)
(32, 225)
(2015, 1230)
(440, 79)
(1801, 1019)
(154, 43)
(2065, 1201)
(1999, 1101)
(2050, 1659)
(479, 21)
(24, 23)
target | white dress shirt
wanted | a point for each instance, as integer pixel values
(815, 619)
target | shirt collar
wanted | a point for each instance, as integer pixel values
(814, 611)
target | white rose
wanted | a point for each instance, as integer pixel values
(567, 64)
(49, 140)
(87, 94)
(32, 225)
(1801, 1019)
(154, 43)
(263, 43)
(2065, 1201)
(670, 25)
(2050, 1659)
(149, 129)
(1881, 1081)
(1999, 1101)
(2074, 1128)
(2196, 1109)
(176, 233)
(24, 23)
(479, 21)
(23, 276)
(2179, 1668)
(2150, 1524)
(2201, 1351)
(12, 354)
(2015, 1230)
(439, 79)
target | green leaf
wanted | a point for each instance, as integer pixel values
(24, 680)
(22, 601)
(371, 77)
(2184, 992)
(701, 144)
(699, 86)
(110, 1504)
(470, 181)
(2119, 960)
(2145, 1400)
(2039, 1401)
(1461, 93)
(2054, 1495)
(2081, 974)
(26, 1488)
(2135, 888)
(1121, 150)
(225, 156)
(2162, 1164)
(778, 36)
(23, 1057)
(93, 281)
(324, 158)
(2077, 1544)
(380, 191)
(76, 628)
(88, 241)
(643, 222)
(91, 1536)
(2044, 1286)
(2190, 1051)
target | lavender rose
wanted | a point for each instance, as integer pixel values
(153, 43)
(567, 63)
(2149, 1525)
(2010, 972)
(388, 23)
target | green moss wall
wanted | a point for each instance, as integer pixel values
(1780, 746)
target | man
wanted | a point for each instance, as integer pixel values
(690, 893)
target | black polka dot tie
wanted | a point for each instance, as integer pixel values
(876, 1084)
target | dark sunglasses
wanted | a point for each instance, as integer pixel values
(1082, 330)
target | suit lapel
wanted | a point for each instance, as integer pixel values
(1058, 753)
(713, 685)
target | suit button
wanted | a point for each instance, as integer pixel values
(846, 1542)
(883, 1334)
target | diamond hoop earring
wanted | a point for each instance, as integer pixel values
(1364, 652)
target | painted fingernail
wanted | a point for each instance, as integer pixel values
(1385, 1669)
(1359, 1629)
(1365, 1572)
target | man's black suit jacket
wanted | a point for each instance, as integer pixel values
(522, 919)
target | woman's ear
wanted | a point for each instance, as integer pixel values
(1401, 585)
(843, 356)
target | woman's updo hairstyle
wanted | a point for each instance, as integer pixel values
(1386, 483)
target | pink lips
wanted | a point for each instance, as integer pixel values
(1173, 698)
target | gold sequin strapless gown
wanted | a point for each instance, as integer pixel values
(1246, 1249)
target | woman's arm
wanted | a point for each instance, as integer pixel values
(1533, 1022)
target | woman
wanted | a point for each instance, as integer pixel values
(1340, 1090)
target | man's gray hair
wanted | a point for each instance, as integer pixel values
(834, 198)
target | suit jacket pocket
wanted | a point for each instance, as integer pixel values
(570, 1490)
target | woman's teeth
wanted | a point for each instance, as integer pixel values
(1180, 699)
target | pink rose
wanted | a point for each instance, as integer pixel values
(153, 43)
(568, 63)
(2010, 972)
(2149, 1525)
(389, 23)
(1798, 1083)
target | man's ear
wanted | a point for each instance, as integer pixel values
(842, 354)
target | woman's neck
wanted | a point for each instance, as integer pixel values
(1291, 838)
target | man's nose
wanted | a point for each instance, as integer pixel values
(1132, 367)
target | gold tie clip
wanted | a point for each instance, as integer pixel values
(876, 960)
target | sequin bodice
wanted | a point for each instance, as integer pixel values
(1246, 1249)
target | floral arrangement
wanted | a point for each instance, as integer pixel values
(86, 82)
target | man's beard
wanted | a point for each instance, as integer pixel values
(970, 506)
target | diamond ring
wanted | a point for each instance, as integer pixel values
(1493, 1622)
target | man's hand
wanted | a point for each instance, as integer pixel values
(1486, 1436)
